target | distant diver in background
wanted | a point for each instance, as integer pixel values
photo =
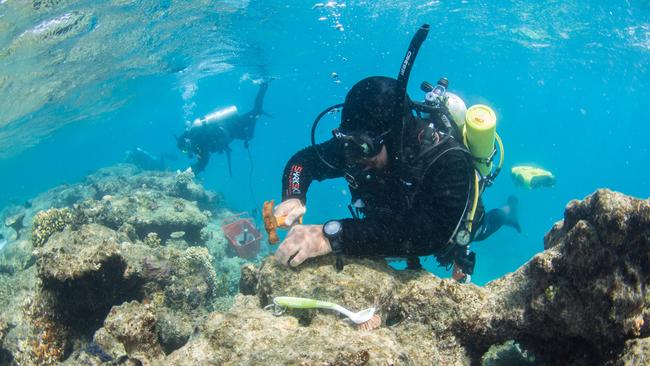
(144, 160)
(215, 131)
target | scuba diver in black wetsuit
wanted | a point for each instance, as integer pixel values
(414, 186)
(215, 131)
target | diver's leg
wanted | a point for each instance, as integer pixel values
(495, 218)
(259, 99)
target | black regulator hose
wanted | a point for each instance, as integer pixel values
(313, 134)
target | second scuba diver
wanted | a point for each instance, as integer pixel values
(215, 131)
(410, 175)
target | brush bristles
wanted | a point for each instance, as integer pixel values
(373, 323)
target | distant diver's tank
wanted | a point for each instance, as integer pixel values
(479, 133)
(219, 115)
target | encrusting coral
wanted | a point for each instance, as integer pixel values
(49, 222)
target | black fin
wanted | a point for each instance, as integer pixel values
(512, 218)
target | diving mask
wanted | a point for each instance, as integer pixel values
(359, 146)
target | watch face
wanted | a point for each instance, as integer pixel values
(332, 227)
(463, 237)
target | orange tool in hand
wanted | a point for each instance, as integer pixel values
(272, 222)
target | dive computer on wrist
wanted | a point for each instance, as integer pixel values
(332, 231)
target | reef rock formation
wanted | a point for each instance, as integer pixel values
(586, 295)
(582, 301)
(124, 178)
(85, 272)
(69, 276)
(130, 331)
(105, 292)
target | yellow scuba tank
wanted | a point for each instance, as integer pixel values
(479, 135)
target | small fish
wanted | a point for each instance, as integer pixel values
(3, 242)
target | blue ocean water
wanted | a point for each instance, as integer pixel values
(82, 82)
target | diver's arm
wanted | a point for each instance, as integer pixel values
(305, 166)
(201, 163)
(423, 229)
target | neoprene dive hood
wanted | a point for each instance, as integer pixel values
(373, 108)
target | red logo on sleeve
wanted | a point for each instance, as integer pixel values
(294, 179)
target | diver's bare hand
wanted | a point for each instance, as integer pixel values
(302, 242)
(292, 210)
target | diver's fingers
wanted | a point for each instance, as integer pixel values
(286, 206)
(296, 213)
(300, 257)
(285, 252)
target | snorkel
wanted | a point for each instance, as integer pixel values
(407, 63)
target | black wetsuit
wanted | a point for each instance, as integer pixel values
(216, 137)
(411, 209)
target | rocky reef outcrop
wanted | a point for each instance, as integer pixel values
(583, 301)
(152, 239)
(101, 291)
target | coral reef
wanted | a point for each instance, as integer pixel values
(139, 274)
(636, 352)
(432, 321)
(49, 222)
(129, 331)
(118, 238)
(15, 221)
(124, 178)
(596, 264)
(16, 256)
(146, 211)
(85, 273)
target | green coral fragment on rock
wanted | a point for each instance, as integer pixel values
(49, 222)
